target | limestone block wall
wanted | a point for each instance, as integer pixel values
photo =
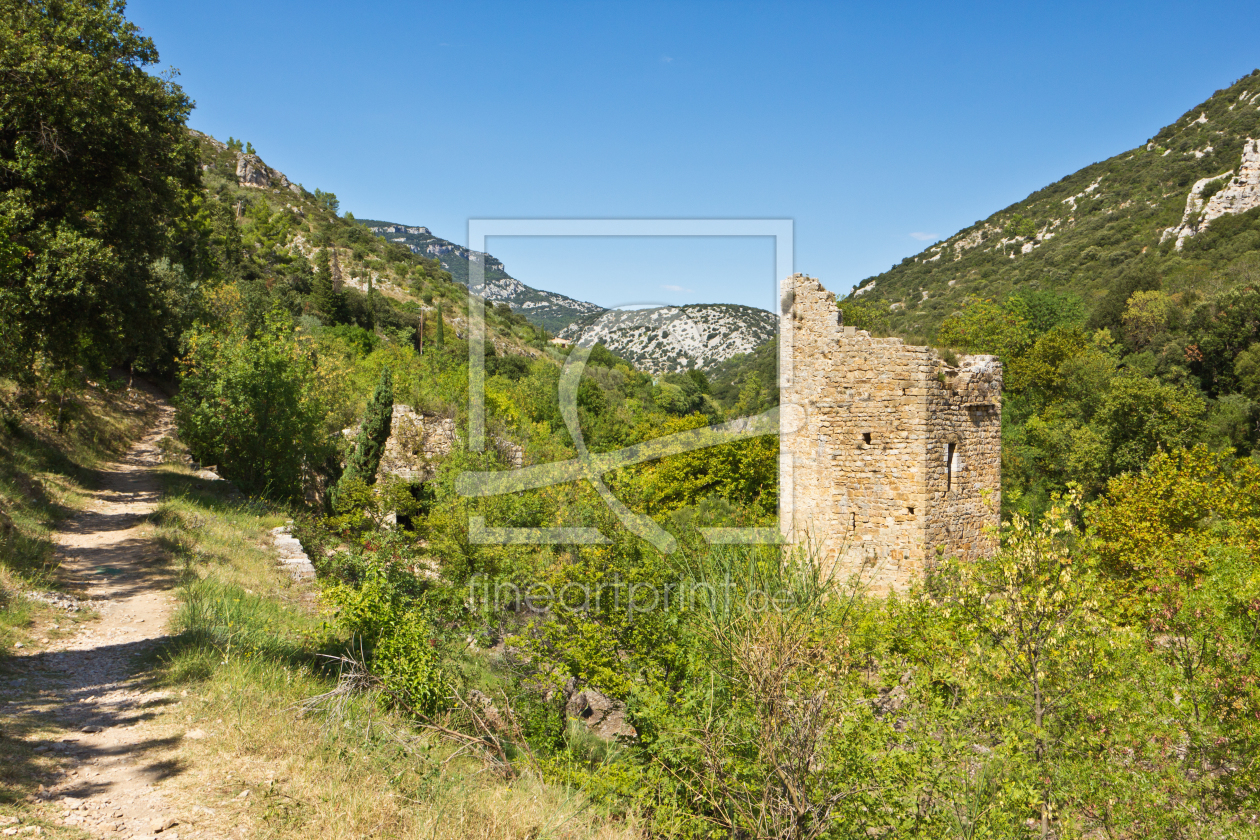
(862, 420)
(419, 441)
(964, 457)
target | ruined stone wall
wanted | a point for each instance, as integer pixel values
(419, 441)
(862, 420)
(964, 457)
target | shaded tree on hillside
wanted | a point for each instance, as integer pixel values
(328, 301)
(96, 168)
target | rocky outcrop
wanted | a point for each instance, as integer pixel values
(674, 338)
(417, 230)
(601, 714)
(1240, 193)
(252, 172)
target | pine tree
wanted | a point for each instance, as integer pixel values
(365, 459)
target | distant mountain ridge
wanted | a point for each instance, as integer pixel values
(549, 310)
(674, 338)
(1186, 201)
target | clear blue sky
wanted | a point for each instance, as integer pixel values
(876, 127)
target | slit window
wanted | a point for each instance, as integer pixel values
(949, 467)
(910, 510)
(852, 521)
(866, 437)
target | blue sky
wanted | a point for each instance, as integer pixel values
(876, 127)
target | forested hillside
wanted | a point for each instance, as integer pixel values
(1175, 213)
(1096, 677)
(1124, 300)
(549, 310)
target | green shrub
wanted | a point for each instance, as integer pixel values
(369, 607)
(253, 407)
(1211, 188)
(408, 662)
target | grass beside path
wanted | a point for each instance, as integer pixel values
(244, 658)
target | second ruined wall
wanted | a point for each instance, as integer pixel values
(964, 456)
(865, 439)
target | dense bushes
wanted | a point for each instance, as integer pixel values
(1084, 406)
(254, 407)
(97, 175)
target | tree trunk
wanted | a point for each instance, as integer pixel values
(1039, 716)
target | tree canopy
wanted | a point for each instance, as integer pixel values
(97, 175)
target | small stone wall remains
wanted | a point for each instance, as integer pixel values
(418, 442)
(887, 453)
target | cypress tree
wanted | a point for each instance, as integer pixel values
(326, 299)
(441, 329)
(377, 420)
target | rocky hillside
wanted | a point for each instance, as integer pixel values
(548, 310)
(674, 338)
(291, 229)
(277, 232)
(1181, 205)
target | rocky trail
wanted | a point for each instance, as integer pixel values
(84, 700)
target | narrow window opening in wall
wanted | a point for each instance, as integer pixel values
(949, 467)
(866, 437)
(852, 521)
(911, 510)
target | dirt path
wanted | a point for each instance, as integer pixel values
(84, 694)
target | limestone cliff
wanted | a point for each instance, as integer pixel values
(673, 338)
(1239, 194)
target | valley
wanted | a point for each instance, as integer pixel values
(1020, 599)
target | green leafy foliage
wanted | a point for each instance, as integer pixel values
(984, 327)
(97, 177)
(411, 667)
(253, 407)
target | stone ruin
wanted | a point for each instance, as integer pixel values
(418, 441)
(888, 455)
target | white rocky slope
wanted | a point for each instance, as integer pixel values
(674, 338)
(1240, 194)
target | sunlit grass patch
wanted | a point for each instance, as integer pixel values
(246, 648)
(16, 615)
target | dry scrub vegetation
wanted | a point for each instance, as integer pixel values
(246, 652)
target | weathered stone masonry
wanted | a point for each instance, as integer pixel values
(887, 454)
